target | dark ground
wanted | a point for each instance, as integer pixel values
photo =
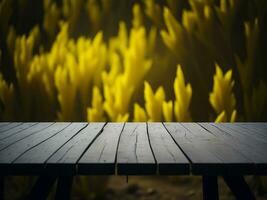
(138, 187)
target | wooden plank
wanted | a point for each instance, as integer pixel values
(33, 161)
(9, 126)
(12, 152)
(101, 155)
(254, 144)
(248, 133)
(134, 156)
(15, 130)
(208, 154)
(2, 124)
(170, 159)
(249, 140)
(65, 159)
(258, 128)
(7, 141)
(258, 157)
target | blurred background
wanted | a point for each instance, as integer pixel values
(133, 60)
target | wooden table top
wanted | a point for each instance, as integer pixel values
(64, 148)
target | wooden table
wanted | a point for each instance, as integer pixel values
(59, 151)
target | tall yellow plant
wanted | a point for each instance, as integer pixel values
(222, 97)
(126, 74)
(157, 109)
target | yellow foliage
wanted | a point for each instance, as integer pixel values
(154, 102)
(172, 37)
(23, 54)
(167, 108)
(139, 114)
(183, 95)
(51, 17)
(96, 112)
(126, 73)
(137, 16)
(7, 99)
(222, 98)
(153, 11)
(73, 77)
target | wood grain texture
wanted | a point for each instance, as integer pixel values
(170, 159)
(134, 154)
(208, 154)
(21, 134)
(9, 154)
(34, 160)
(9, 126)
(64, 161)
(2, 124)
(66, 149)
(100, 157)
(15, 130)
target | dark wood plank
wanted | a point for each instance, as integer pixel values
(101, 155)
(9, 126)
(208, 154)
(170, 159)
(33, 129)
(246, 132)
(250, 140)
(65, 159)
(33, 161)
(2, 124)
(12, 152)
(134, 156)
(258, 146)
(258, 156)
(257, 128)
(15, 130)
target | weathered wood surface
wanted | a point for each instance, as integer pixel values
(66, 149)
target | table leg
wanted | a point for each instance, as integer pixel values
(42, 187)
(64, 187)
(2, 187)
(210, 188)
(239, 187)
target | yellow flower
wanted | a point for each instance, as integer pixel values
(96, 112)
(139, 114)
(82, 63)
(222, 97)
(129, 63)
(183, 95)
(154, 102)
(51, 17)
(23, 54)
(153, 11)
(167, 108)
(222, 117)
(170, 38)
(66, 94)
(7, 99)
(137, 16)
